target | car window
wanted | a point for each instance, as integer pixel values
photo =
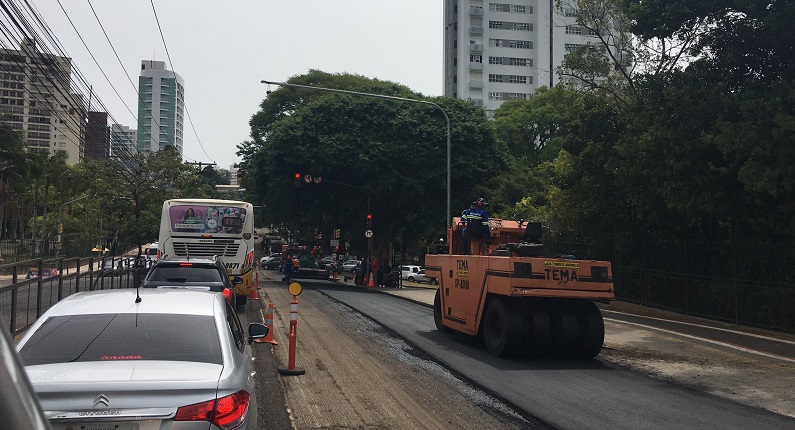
(235, 327)
(110, 337)
(176, 273)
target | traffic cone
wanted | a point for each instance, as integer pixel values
(254, 291)
(370, 282)
(269, 324)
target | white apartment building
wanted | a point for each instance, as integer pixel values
(122, 141)
(36, 99)
(161, 107)
(504, 49)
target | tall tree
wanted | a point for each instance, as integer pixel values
(389, 154)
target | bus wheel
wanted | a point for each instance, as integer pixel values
(437, 314)
(502, 328)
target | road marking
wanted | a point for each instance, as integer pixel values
(758, 336)
(716, 342)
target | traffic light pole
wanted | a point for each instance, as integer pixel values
(446, 117)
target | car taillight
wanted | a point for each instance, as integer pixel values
(228, 294)
(186, 264)
(230, 411)
(226, 413)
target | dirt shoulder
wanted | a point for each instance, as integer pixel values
(723, 370)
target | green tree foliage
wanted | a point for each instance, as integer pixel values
(391, 154)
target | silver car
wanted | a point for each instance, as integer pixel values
(144, 360)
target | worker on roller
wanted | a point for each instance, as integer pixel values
(476, 226)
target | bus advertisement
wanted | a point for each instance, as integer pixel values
(207, 228)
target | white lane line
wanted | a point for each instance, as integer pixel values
(758, 336)
(724, 344)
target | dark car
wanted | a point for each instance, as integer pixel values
(193, 273)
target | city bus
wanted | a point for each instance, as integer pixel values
(209, 227)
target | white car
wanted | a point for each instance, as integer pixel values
(421, 278)
(409, 270)
(272, 261)
(145, 359)
(350, 266)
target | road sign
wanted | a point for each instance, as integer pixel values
(368, 233)
(334, 242)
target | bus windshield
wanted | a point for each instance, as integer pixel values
(206, 219)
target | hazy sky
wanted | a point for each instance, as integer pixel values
(223, 49)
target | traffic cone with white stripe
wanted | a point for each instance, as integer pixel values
(254, 293)
(268, 323)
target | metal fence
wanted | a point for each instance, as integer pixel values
(23, 249)
(29, 288)
(741, 283)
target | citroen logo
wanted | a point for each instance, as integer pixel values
(101, 400)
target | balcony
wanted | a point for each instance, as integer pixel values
(477, 102)
(476, 11)
(475, 66)
(476, 47)
(476, 85)
(475, 29)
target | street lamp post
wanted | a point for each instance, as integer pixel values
(60, 225)
(446, 117)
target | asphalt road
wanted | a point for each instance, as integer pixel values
(564, 394)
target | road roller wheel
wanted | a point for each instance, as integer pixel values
(565, 330)
(537, 335)
(502, 328)
(592, 330)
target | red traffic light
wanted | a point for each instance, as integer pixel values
(297, 176)
(369, 216)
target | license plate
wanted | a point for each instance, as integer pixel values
(98, 426)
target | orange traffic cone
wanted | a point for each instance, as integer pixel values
(269, 324)
(254, 291)
(370, 282)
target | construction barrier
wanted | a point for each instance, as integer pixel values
(291, 369)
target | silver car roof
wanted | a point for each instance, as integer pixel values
(192, 302)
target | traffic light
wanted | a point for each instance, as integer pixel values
(336, 233)
(297, 180)
(369, 221)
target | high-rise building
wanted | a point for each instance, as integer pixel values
(36, 99)
(122, 141)
(97, 136)
(160, 107)
(505, 49)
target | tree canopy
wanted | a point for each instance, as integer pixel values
(383, 157)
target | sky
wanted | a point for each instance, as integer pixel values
(224, 49)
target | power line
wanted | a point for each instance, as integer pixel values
(129, 78)
(28, 32)
(168, 55)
